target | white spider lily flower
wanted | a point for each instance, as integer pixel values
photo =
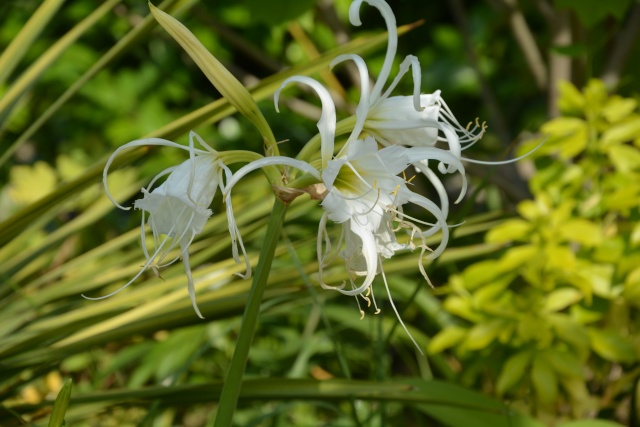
(366, 194)
(404, 120)
(178, 209)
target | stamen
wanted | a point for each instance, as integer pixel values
(384, 279)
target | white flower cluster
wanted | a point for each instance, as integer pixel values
(363, 186)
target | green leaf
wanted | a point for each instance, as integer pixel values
(624, 131)
(483, 334)
(32, 183)
(545, 380)
(446, 338)
(218, 75)
(560, 299)
(592, 12)
(609, 345)
(22, 41)
(461, 307)
(565, 363)
(571, 101)
(568, 136)
(275, 12)
(618, 108)
(590, 423)
(512, 229)
(625, 158)
(581, 231)
(570, 331)
(480, 273)
(632, 287)
(513, 370)
(60, 405)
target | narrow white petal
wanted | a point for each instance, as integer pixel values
(370, 254)
(269, 161)
(392, 45)
(327, 122)
(423, 166)
(362, 110)
(136, 143)
(190, 285)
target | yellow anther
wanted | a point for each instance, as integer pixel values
(411, 179)
(377, 311)
(368, 292)
(361, 314)
(367, 300)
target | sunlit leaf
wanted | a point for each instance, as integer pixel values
(560, 299)
(609, 345)
(446, 338)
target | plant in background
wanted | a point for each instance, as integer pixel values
(145, 356)
(557, 313)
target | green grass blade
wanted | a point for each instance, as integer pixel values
(33, 73)
(29, 32)
(60, 405)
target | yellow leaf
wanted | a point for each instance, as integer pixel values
(560, 299)
(480, 273)
(595, 96)
(624, 131)
(581, 231)
(568, 136)
(610, 345)
(635, 235)
(517, 256)
(617, 108)
(512, 229)
(625, 158)
(483, 334)
(571, 101)
(446, 338)
(31, 183)
(632, 287)
(461, 307)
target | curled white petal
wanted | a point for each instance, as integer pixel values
(392, 45)
(327, 122)
(362, 110)
(269, 161)
(137, 143)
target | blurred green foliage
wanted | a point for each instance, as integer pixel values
(549, 325)
(557, 313)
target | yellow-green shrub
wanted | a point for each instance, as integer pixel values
(553, 322)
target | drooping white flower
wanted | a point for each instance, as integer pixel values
(178, 209)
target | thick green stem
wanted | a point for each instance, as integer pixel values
(233, 381)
